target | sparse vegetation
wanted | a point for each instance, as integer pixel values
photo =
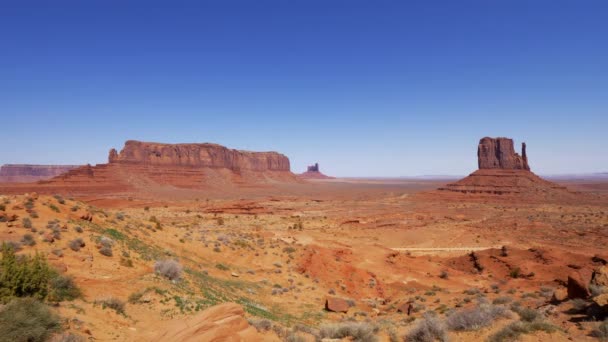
(27, 320)
(429, 329)
(513, 331)
(601, 332)
(63, 288)
(475, 318)
(24, 276)
(76, 244)
(28, 240)
(26, 222)
(364, 332)
(170, 269)
(112, 303)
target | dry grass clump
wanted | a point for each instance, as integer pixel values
(513, 331)
(476, 318)
(26, 319)
(429, 329)
(169, 269)
(363, 332)
(112, 303)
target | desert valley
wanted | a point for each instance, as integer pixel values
(199, 242)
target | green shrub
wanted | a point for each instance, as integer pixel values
(54, 208)
(25, 276)
(63, 288)
(27, 320)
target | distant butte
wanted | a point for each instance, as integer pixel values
(23, 173)
(502, 171)
(313, 172)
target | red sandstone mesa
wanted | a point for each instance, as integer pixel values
(313, 172)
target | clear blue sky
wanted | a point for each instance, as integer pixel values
(365, 88)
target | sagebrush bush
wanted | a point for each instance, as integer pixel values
(513, 331)
(63, 288)
(27, 320)
(169, 269)
(28, 240)
(476, 317)
(76, 244)
(26, 222)
(106, 250)
(261, 324)
(429, 329)
(363, 332)
(112, 303)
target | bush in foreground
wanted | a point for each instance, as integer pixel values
(476, 318)
(27, 320)
(169, 269)
(430, 329)
(363, 332)
(63, 288)
(514, 330)
(23, 276)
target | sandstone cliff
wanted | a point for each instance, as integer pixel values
(31, 173)
(498, 153)
(198, 155)
(313, 172)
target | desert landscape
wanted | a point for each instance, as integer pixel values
(197, 242)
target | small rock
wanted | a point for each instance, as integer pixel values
(236, 275)
(335, 304)
(577, 287)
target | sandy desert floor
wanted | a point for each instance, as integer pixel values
(389, 248)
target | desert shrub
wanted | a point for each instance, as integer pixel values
(63, 288)
(169, 269)
(363, 332)
(57, 252)
(28, 240)
(429, 329)
(106, 250)
(472, 291)
(105, 246)
(579, 304)
(126, 262)
(112, 303)
(78, 229)
(515, 272)
(597, 290)
(475, 318)
(136, 296)
(23, 276)
(76, 244)
(502, 300)
(261, 324)
(54, 208)
(26, 222)
(527, 314)
(222, 267)
(443, 275)
(68, 337)
(601, 332)
(120, 216)
(59, 199)
(27, 320)
(513, 331)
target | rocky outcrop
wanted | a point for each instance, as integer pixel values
(335, 304)
(20, 173)
(223, 322)
(313, 168)
(498, 153)
(198, 155)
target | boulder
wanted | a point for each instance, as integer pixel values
(577, 286)
(559, 295)
(335, 304)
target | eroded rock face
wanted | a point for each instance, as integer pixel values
(198, 155)
(32, 173)
(313, 168)
(498, 153)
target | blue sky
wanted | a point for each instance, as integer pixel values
(365, 88)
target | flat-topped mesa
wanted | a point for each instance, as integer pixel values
(198, 155)
(498, 153)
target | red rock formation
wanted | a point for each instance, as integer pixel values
(313, 172)
(19, 173)
(198, 155)
(504, 172)
(143, 167)
(498, 153)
